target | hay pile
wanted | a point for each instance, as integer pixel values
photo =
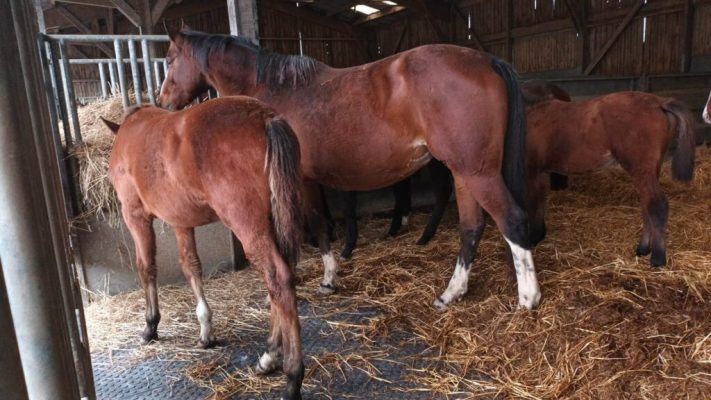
(609, 326)
(98, 196)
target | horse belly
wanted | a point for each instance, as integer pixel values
(369, 168)
(177, 209)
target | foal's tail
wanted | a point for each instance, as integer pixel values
(514, 168)
(283, 165)
(685, 153)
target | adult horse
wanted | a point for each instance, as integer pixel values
(370, 126)
(633, 129)
(231, 160)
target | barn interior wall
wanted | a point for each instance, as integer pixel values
(536, 40)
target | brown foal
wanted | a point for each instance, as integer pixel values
(633, 129)
(230, 160)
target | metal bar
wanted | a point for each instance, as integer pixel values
(165, 68)
(121, 72)
(102, 79)
(112, 77)
(109, 38)
(54, 121)
(103, 60)
(147, 72)
(135, 72)
(69, 91)
(26, 244)
(156, 71)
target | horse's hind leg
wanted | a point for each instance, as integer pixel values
(139, 223)
(495, 199)
(314, 212)
(655, 210)
(192, 269)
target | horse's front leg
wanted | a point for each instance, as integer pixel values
(192, 269)
(317, 224)
(140, 224)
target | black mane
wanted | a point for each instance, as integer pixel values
(273, 70)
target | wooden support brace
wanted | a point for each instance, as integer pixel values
(72, 19)
(129, 12)
(620, 29)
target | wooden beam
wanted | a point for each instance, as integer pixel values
(129, 12)
(620, 29)
(158, 9)
(110, 21)
(380, 14)
(312, 17)
(92, 3)
(75, 22)
(574, 16)
(475, 38)
(688, 35)
(405, 28)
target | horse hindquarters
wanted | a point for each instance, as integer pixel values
(271, 234)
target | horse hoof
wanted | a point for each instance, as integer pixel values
(643, 251)
(423, 241)
(326, 289)
(347, 253)
(440, 304)
(149, 336)
(266, 364)
(529, 301)
(658, 261)
(210, 343)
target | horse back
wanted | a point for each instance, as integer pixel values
(173, 163)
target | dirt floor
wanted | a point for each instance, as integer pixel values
(609, 326)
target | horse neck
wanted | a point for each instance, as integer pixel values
(233, 74)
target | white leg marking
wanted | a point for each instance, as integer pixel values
(706, 110)
(330, 271)
(529, 293)
(267, 363)
(204, 315)
(405, 220)
(457, 285)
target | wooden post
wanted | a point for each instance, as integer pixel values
(688, 35)
(243, 18)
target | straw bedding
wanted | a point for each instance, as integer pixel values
(609, 326)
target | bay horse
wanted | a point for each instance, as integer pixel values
(370, 126)
(632, 129)
(233, 160)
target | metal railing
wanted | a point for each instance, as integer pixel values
(113, 79)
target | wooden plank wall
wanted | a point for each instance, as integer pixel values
(544, 39)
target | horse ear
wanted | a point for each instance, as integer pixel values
(114, 127)
(176, 36)
(185, 28)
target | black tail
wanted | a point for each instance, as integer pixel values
(283, 165)
(514, 167)
(685, 153)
